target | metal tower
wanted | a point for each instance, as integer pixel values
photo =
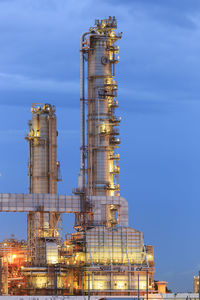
(99, 50)
(43, 228)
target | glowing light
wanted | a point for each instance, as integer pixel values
(52, 253)
(120, 285)
(112, 34)
(40, 282)
(99, 285)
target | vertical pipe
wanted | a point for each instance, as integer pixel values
(82, 109)
(30, 161)
(147, 285)
(199, 285)
(88, 286)
(29, 167)
(6, 277)
(50, 155)
(138, 285)
(1, 269)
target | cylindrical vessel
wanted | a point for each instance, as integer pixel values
(42, 227)
(102, 167)
(40, 154)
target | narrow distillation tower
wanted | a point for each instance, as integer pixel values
(44, 229)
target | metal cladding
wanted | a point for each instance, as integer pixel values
(43, 177)
(44, 149)
(99, 47)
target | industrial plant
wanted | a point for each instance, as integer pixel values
(104, 256)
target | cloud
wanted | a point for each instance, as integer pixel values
(40, 51)
(18, 82)
(176, 13)
(11, 135)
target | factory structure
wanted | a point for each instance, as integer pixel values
(104, 256)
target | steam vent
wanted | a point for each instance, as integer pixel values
(104, 256)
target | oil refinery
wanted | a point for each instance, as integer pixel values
(104, 256)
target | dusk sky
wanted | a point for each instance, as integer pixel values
(159, 102)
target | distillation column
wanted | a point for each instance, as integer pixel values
(43, 229)
(102, 132)
(116, 260)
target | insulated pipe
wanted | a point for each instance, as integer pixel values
(30, 167)
(82, 109)
(29, 161)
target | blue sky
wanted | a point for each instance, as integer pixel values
(158, 77)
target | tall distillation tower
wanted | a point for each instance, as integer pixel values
(99, 47)
(113, 253)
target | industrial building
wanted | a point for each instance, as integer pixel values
(104, 256)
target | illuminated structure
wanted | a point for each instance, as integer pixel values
(104, 256)
(43, 234)
(196, 284)
(102, 168)
(44, 228)
(13, 256)
(113, 254)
